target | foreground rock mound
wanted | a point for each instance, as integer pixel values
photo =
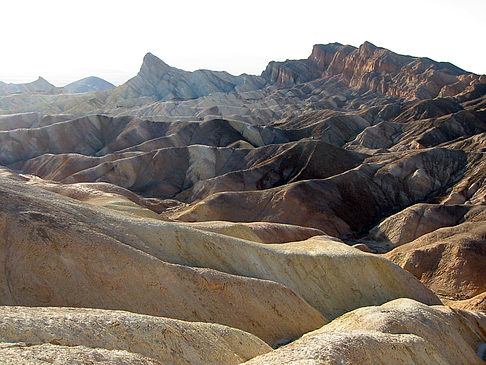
(443, 245)
(399, 332)
(46, 353)
(59, 252)
(161, 339)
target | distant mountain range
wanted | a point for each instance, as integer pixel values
(42, 86)
(335, 75)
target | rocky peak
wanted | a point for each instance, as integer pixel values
(323, 54)
(159, 81)
(367, 49)
(153, 66)
(150, 60)
(42, 84)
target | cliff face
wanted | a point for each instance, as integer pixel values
(291, 72)
(373, 69)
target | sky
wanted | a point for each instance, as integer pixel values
(67, 40)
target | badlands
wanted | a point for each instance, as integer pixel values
(330, 211)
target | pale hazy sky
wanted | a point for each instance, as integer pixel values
(65, 40)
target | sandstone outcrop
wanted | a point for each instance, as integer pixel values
(401, 331)
(373, 69)
(28, 354)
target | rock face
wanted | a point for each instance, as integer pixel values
(163, 340)
(373, 69)
(30, 120)
(89, 84)
(401, 331)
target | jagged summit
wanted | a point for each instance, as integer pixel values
(159, 81)
(369, 45)
(41, 79)
(153, 64)
(369, 68)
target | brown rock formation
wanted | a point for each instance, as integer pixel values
(348, 203)
(449, 260)
(370, 68)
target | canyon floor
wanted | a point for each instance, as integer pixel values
(330, 211)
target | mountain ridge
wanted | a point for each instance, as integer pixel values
(335, 74)
(371, 68)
